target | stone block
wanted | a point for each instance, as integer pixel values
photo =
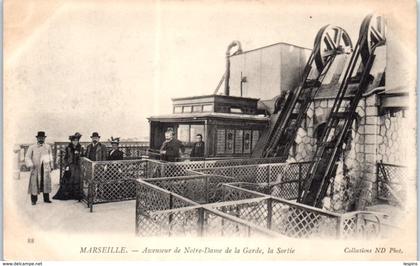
(360, 111)
(372, 101)
(372, 120)
(319, 112)
(370, 129)
(370, 157)
(371, 111)
(370, 148)
(370, 139)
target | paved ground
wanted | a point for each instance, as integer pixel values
(71, 215)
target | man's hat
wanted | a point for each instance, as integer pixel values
(170, 130)
(95, 134)
(41, 134)
(114, 140)
(76, 135)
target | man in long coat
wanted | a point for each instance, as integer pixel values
(39, 159)
(96, 151)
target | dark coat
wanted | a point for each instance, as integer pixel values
(172, 149)
(70, 184)
(116, 155)
(101, 152)
(197, 149)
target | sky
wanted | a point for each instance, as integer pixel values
(108, 65)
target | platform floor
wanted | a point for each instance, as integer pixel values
(71, 215)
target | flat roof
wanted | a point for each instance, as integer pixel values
(210, 115)
(274, 44)
(214, 95)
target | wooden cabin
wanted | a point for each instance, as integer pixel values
(230, 125)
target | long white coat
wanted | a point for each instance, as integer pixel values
(35, 156)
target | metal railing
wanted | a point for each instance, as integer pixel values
(131, 150)
(391, 183)
(108, 181)
(202, 189)
(245, 216)
(160, 212)
(166, 169)
(283, 180)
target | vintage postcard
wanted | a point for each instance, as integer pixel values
(210, 130)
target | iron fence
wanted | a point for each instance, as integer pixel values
(391, 183)
(365, 225)
(108, 181)
(283, 180)
(160, 212)
(284, 217)
(202, 189)
(130, 149)
(167, 169)
(237, 214)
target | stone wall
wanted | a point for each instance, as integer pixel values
(390, 143)
(373, 138)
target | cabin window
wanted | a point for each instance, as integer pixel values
(187, 109)
(197, 108)
(207, 108)
(184, 133)
(187, 133)
(236, 110)
(196, 129)
(178, 109)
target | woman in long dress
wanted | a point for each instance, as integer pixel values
(70, 187)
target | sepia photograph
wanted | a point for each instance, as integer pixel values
(168, 130)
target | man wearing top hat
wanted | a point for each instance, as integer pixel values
(39, 159)
(115, 153)
(96, 151)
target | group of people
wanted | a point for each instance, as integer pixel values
(172, 148)
(40, 161)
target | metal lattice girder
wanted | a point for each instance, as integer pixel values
(343, 112)
(293, 104)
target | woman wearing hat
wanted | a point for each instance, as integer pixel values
(115, 153)
(70, 187)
